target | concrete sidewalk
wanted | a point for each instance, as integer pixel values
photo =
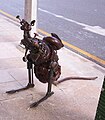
(73, 100)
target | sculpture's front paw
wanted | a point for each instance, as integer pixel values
(24, 59)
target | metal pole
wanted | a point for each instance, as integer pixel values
(30, 13)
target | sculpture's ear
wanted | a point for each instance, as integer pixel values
(32, 22)
(17, 16)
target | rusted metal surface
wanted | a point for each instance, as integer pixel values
(41, 57)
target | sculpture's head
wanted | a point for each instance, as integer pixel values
(24, 24)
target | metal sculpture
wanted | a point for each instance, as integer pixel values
(42, 58)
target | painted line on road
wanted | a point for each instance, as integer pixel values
(64, 42)
(8, 15)
(95, 29)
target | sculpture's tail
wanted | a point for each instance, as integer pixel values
(73, 78)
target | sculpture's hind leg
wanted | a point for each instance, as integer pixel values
(30, 75)
(49, 92)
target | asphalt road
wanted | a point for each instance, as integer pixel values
(78, 22)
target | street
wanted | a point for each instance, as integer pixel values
(78, 22)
